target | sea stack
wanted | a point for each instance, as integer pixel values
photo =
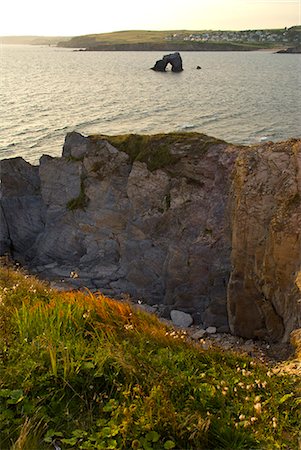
(173, 58)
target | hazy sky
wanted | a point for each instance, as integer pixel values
(71, 17)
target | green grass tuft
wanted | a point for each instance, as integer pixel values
(87, 372)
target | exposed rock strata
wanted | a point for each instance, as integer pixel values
(206, 228)
(264, 298)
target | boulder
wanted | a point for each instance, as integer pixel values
(181, 319)
(211, 330)
(199, 334)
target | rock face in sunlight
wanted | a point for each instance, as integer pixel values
(266, 241)
(184, 220)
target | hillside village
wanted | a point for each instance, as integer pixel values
(276, 36)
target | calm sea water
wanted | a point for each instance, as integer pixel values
(240, 97)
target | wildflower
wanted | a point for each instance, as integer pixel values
(257, 408)
(245, 373)
(253, 419)
(242, 417)
(274, 422)
(73, 275)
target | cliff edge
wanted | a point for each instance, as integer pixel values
(183, 220)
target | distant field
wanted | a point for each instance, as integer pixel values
(130, 37)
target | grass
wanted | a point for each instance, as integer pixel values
(157, 150)
(86, 372)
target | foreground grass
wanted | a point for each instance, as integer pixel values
(86, 372)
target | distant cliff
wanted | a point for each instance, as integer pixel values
(184, 220)
(159, 46)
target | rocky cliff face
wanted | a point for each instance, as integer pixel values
(266, 244)
(185, 220)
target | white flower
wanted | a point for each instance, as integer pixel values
(257, 408)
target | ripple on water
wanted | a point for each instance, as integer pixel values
(49, 92)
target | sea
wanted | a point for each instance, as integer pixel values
(241, 97)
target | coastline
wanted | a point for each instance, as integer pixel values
(168, 47)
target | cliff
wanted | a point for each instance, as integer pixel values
(183, 220)
(188, 46)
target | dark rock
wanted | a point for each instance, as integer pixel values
(290, 50)
(173, 58)
(75, 146)
(22, 211)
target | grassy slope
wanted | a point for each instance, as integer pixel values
(134, 37)
(128, 37)
(87, 372)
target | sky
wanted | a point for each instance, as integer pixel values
(73, 17)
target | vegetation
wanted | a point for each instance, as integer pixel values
(119, 37)
(156, 150)
(172, 40)
(82, 371)
(79, 202)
